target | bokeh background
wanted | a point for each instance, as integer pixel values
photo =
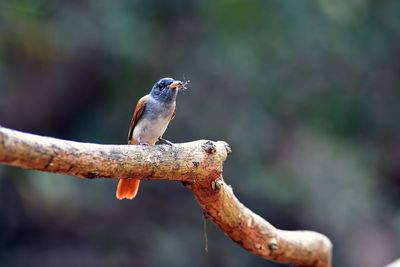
(307, 93)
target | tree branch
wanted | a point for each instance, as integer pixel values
(182, 162)
(199, 164)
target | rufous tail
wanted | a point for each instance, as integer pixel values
(127, 188)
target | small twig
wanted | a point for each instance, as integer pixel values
(205, 218)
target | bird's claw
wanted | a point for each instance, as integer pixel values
(165, 141)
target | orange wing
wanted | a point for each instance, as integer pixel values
(173, 115)
(137, 114)
(128, 188)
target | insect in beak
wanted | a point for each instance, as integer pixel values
(176, 85)
(184, 84)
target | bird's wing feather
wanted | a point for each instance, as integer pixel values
(137, 114)
(173, 114)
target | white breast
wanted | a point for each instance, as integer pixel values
(153, 123)
(149, 130)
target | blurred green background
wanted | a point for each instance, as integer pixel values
(307, 93)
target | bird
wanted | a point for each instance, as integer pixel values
(150, 119)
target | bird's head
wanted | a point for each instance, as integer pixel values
(166, 89)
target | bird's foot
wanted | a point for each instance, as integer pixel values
(144, 144)
(164, 141)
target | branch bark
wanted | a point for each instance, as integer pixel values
(199, 164)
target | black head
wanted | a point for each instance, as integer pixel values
(166, 89)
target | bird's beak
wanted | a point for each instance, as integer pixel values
(176, 85)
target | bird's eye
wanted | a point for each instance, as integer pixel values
(161, 85)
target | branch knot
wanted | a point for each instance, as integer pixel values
(209, 147)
